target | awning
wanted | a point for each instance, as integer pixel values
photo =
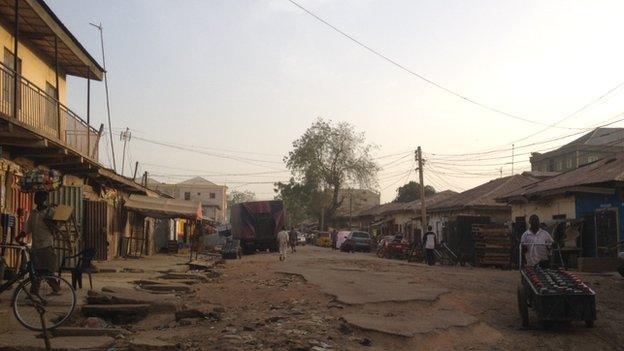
(158, 207)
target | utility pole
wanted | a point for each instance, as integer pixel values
(110, 127)
(513, 154)
(423, 206)
(125, 136)
(501, 172)
(350, 209)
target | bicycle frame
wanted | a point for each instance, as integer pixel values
(29, 271)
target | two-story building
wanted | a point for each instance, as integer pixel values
(597, 144)
(39, 130)
(213, 197)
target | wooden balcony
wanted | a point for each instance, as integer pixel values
(47, 118)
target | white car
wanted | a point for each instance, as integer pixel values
(301, 239)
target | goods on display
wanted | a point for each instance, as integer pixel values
(40, 180)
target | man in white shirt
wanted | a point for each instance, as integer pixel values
(536, 244)
(429, 241)
(282, 241)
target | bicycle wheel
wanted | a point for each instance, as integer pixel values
(54, 294)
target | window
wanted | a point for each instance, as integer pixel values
(569, 163)
(213, 195)
(187, 195)
(592, 158)
(559, 165)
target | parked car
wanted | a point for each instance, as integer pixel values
(357, 241)
(393, 246)
(301, 238)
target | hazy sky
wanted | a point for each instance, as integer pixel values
(249, 77)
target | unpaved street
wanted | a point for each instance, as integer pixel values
(320, 299)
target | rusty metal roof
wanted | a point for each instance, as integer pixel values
(38, 26)
(158, 207)
(606, 170)
(412, 206)
(485, 194)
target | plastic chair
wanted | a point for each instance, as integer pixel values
(83, 265)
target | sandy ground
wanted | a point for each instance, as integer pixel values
(320, 299)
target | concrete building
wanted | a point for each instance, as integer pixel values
(398, 217)
(590, 195)
(597, 144)
(213, 197)
(39, 131)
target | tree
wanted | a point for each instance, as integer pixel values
(237, 196)
(411, 192)
(298, 200)
(326, 158)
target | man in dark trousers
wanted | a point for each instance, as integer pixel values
(334, 239)
(292, 239)
(429, 243)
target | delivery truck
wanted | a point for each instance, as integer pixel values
(256, 224)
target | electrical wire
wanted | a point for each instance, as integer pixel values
(415, 74)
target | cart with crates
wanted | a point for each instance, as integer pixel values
(555, 295)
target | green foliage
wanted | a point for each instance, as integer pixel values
(237, 196)
(326, 158)
(411, 191)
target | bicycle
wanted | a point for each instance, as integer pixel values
(38, 299)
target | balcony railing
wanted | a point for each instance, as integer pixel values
(40, 110)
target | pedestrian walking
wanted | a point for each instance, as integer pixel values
(334, 239)
(429, 242)
(292, 239)
(282, 241)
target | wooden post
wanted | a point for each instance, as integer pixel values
(136, 167)
(88, 111)
(15, 57)
(97, 141)
(423, 205)
(58, 99)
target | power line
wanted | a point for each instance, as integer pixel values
(413, 73)
(583, 108)
(539, 142)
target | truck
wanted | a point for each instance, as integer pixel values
(256, 224)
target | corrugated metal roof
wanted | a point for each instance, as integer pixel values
(413, 206)
(605, 170)
(485, 194)
(158, 207)
(600, 136)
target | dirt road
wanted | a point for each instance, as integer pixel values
(320, 299)
(345, 300)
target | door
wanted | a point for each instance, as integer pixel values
(607, 232)
(96, 228)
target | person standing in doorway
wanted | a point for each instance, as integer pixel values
(282, 241)
(42, 254)
(292, 239)
(429, 242)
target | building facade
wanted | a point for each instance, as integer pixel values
(597, 144)
(213, 197)
(39, 131)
